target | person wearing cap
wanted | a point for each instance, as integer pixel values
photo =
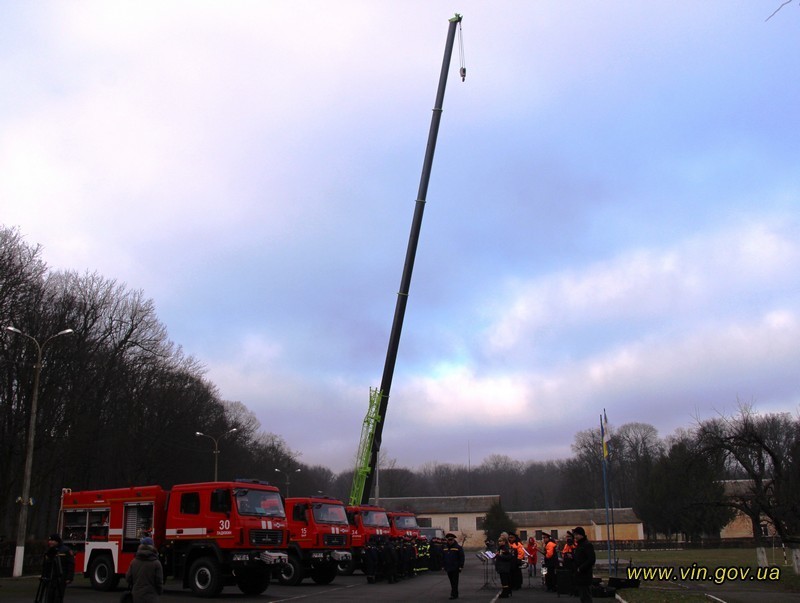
(58, 570)
(585, 559)
(145, 576)
(550, 561)
(452, 562)
(516, 568)
(568, 563)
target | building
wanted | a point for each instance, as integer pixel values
(626, 526)
(740, 492)
(465, 516)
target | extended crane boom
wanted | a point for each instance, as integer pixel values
(368, 473)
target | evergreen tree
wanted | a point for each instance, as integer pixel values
(497, 521)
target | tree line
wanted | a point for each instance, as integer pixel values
(120, 404)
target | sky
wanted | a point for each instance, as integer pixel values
(611, 221)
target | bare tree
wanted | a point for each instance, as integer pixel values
(766, 449)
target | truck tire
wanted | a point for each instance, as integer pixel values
(253, 582)
(291, 572)
(346, 568)
(205, 577)
(101, 573)
(324, 575)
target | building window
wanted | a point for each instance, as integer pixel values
(538, 535)
(523, 534)
(453, 524)
(480, 523)
(424, 522)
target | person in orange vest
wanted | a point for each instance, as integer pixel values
(516, 568)
(532, 549)
(550, 561)
(566, 552)
(568, 560)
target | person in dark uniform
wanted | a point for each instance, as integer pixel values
(503, 561)
(436, 554)
(58, 570)
(584, 558)
(423, 555)
(370, 559)
(452, 562)
(388, 554)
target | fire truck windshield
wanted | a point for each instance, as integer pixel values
(326, 513)
(406, 522)
(258, 502)
(375, 519)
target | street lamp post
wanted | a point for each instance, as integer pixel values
(25, 499)
(216, 446)
(287, 474)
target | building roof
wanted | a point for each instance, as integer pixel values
(742, 488)
(433, 505)
(571, 517)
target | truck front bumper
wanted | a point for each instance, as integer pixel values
(328, 556)
(249, 558)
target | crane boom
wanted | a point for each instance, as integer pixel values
(405, 281)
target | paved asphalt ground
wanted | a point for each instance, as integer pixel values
(430, 586)
(476, 585)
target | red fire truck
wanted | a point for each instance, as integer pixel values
(365, 521)
(403, 523)
(319, 539)
(208, 534)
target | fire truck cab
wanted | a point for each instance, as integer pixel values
(209, 534)
(403, 523)
(319, 539)
(365, 521)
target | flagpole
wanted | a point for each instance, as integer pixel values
(614, 535)
(605, 489)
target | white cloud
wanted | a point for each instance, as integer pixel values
(693, 279)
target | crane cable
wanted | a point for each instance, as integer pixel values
(463, 70)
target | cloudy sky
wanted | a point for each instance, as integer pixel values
(611, 223)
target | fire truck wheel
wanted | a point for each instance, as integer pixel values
(346, 568)
(291, 572)
(252, 583)
(324, 575)
(101, 573)
(205, 577)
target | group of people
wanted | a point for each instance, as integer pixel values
(145, 575)
(395, 559)
(577, 557)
